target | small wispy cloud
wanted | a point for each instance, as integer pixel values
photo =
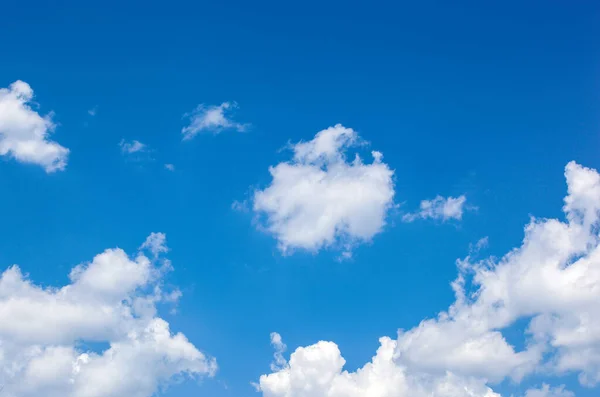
(440, 208)
(156, 243)
(213, 119)
(170, 167)
(132, 147)
(240, 206)
(92, 112)
(279, 362)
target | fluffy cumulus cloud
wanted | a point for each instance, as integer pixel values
(440, 208)
(551, 281)
(24, 133)
(112, 300)
(212, 119)
(317, 371)
(320, 198)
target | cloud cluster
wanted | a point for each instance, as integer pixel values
(212, 119)
(319, 198)
(440, 208)
(111, 300)
(24, 133)
(552, 281)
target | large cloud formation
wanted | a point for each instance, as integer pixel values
(111, 300)
(552, 281)
(320, 199)
(24, 134)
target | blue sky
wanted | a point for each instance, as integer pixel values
(486, 101)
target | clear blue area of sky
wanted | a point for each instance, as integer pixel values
(489, 99)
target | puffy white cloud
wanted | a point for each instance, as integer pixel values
(24, 133)
(464, 345)
(112, 300)
(317, 371)
(319, 198)
(211, 119)
(553, 279)
(132, 147)
(443, 208)
(170, 167)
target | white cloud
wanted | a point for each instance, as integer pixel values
(170, 167)
(547, 391)
(24, 133)
(279, 362)
(440, 208)
(112, 299)
(211, 119)
(319, 199)
(317, 371)
(241, 206)
(132, 146)
(156, 243)
(553, 279)
(93, 111)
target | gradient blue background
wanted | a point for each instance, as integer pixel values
(490, 99)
